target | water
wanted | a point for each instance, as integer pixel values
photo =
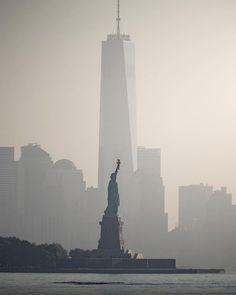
(125, 284)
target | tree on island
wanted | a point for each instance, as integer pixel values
(19, 253)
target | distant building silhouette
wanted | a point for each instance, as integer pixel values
(8, 200)
(193, 200)
(147, 222)
(149, 160)
(221, 213)
(65, 195)
(33, 166)
(94, 210)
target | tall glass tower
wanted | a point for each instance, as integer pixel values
(117, 134)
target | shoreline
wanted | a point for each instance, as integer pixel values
(113, 270)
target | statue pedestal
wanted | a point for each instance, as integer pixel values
(111, 243)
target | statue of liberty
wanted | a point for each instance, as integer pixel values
(113, 194)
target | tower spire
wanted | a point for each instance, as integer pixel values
(118, 19)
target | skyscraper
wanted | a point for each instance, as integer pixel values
(71, 188)
(33, 167)
(8, 201)
(117, 134)
(193, 201)
(149, 159)
(146, 221)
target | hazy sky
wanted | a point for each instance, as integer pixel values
(186, 72)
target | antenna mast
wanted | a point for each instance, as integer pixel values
(118, 19)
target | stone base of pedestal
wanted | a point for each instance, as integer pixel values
(111, 243)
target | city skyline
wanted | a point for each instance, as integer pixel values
(185, 84)
(48, 202)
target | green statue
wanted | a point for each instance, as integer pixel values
(113, 194)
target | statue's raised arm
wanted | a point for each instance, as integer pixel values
(113, 194)
(118, 166)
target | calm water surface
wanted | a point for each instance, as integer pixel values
(97, 284)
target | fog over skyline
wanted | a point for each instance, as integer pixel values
(50, 59)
